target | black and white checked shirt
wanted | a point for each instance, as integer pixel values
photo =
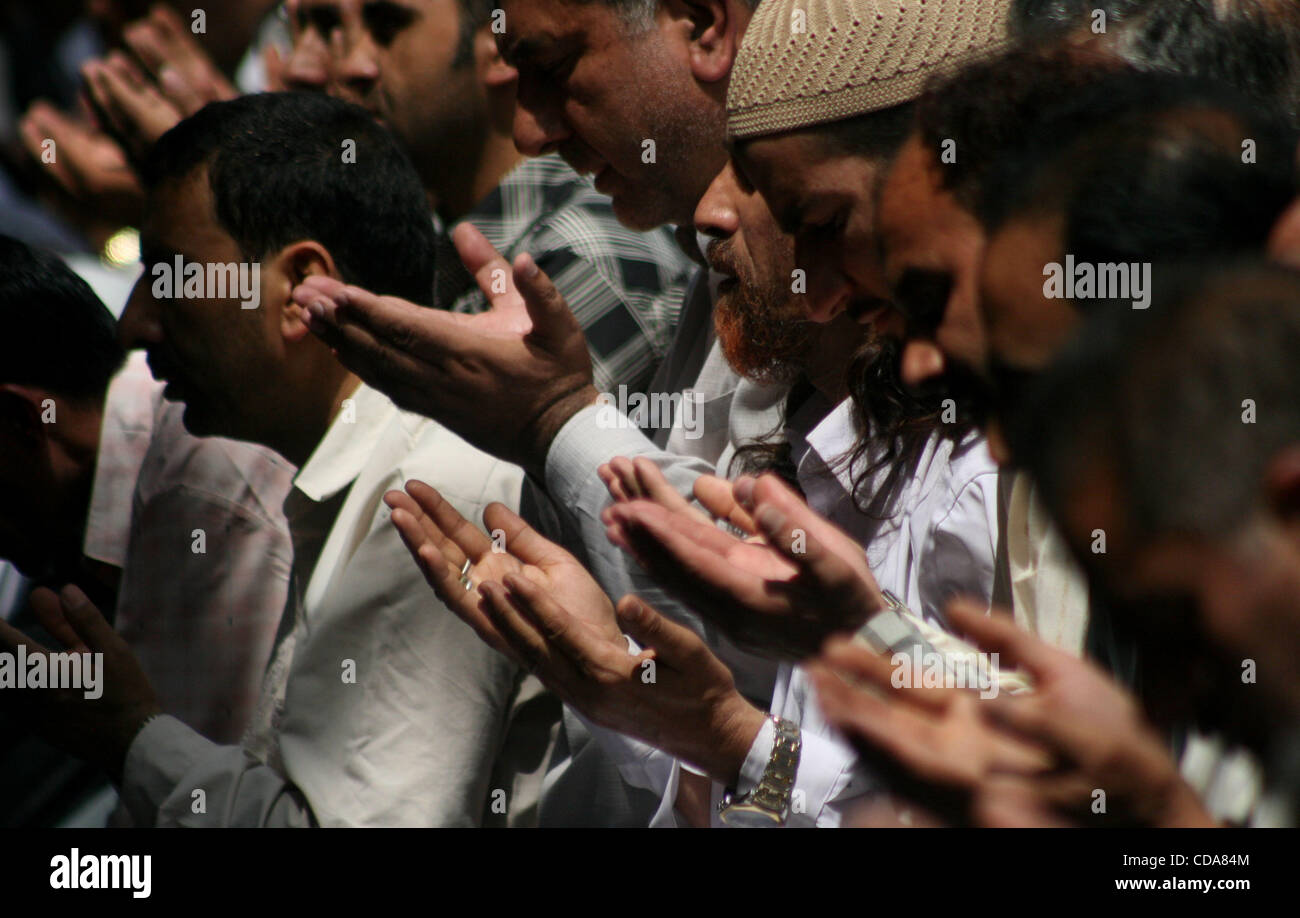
(626, 288)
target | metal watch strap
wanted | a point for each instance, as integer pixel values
(770, 800)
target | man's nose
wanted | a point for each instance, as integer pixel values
(354, 63)
(828, 300)
(537, 132)
(139, 326)
(714, 215)
(922, 360)
(308, 65)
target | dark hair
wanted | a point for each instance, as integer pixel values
(895, 423)
(986, 108)
(1048, 20)
(1250, 45)
(1149, 168)
(1161, 395)
(892, 421)
(58, 335)
(277, 172)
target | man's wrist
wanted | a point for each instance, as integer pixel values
(546, 427)
(130, 726)
(737, 724)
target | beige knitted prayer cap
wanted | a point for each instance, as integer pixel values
(806, 62)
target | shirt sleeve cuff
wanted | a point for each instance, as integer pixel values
(760, 753)
(827, 775)
(156, 762)
(590, 438)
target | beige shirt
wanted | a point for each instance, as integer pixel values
(1049, 592)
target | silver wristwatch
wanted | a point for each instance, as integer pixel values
(769, 803)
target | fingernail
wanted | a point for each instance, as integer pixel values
(530, 269)
(743, 491)
(72, 596)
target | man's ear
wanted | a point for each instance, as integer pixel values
(492, 67)
(716, 27)
(1284, 240)
(23, 410)
(1282, 486)
(295, 263)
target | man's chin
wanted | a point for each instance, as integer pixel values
(633, 217)
(758, 367)
(639, 210)
(198, 423)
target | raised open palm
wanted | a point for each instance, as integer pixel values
(441, 540)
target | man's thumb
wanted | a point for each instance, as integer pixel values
(553, 321)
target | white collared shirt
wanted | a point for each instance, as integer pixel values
(380, 707)
(940, 542)
(941, 539)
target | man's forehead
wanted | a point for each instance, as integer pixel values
(770, 165)
(803, 165)
(533, 26)
(910, 177)
(769, 157)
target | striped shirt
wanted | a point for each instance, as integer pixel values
(624, 287)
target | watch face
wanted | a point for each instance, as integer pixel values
(748, 816)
